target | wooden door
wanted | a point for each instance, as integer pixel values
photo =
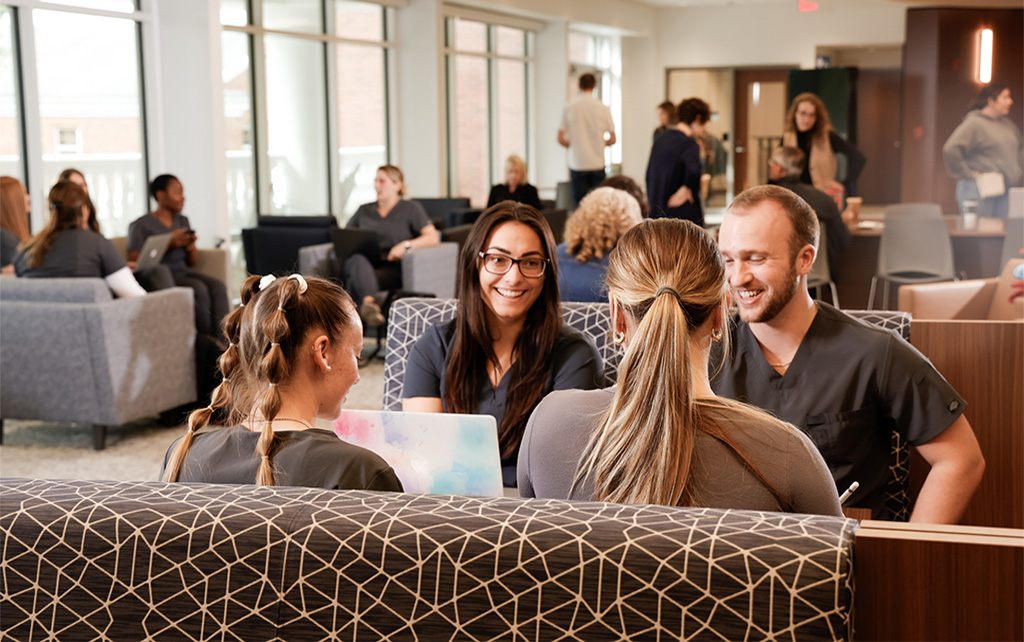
(760, 109)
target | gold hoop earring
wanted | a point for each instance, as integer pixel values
(716, 335)
(618, 338)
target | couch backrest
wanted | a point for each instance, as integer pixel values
(134, 560)
(62, 290)
(1002, 309)
(410, 317)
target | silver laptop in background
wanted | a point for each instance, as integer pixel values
(153, 251)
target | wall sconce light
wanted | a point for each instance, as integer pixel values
(984, 56)
(756, 93)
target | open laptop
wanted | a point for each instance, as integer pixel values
(153, 251)
(349, 241)
(440, 454)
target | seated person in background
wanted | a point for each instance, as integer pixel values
(507, 346)
(66, 247)
(784, 169)
(848, 384)
(293, 356)
(628, 185)
(211, 296)
(808, 127)
(14, 208)
(660, 436)
(592, 231)
(517, 188)
(78, 178)
(401, 226)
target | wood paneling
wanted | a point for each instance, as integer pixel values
(984, 361)
(950, 583)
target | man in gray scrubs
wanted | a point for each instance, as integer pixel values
(845, 382)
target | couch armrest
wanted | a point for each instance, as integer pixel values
(431, 270)
(216, 263)
(968, 299)
(318, 260)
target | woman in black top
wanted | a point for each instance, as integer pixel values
(809, 128)
(293, 356)
(517, 188)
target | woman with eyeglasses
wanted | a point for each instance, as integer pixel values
(507, 346)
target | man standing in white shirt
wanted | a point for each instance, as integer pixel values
(585, 120)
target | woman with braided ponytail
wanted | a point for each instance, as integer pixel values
(660, 436)
(292, 357)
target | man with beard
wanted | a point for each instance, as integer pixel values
(845, 382)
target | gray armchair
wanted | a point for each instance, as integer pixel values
(72, 353)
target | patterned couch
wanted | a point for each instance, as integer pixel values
(148, 560)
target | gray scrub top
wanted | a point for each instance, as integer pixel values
(75, 253)
(405, 221)
(147, 225)
(849, 386)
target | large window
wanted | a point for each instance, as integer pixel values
(488, 71)
(85, 103)
(306, 104)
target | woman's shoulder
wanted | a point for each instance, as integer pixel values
(581, 402)
(754, 428)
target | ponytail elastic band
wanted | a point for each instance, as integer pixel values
(265, 457)
(272, 383)
(280, 308)
(273, 343)
(663, 289)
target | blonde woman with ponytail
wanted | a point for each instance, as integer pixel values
(292, 357)
(660, 436)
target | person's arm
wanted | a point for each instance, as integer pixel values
(123, 283)
(955, 151)
(956, 469)
(608, 142)
(855, 159)
(523, 481)
(563, 140)
(428, 238)
(531, 198)
(191, 251)
(421, 384)
(577, 365)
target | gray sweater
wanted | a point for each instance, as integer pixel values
(560, 427)
(984, 144)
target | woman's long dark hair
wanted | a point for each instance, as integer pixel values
(473, 347)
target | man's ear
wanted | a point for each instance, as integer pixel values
(805, 259)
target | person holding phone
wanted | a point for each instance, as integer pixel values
(211, 297)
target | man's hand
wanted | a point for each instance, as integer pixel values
(683, 195)
(563, 140)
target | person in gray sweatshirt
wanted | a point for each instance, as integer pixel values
(986, 141)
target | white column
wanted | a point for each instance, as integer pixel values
(552, 73)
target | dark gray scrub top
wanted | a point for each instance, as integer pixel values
(849, 386)
(147, 225)
(8, 246)
(405, 221)
(75, 253)
(575, 363)
(312, 458)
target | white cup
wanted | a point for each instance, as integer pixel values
(970, 215)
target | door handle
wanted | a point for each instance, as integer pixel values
(740, 149)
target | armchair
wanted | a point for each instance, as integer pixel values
(973, 299)
(72, 353)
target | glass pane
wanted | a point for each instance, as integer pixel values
(126, 6)
(238, 129)
(90, 112)
(581, 48)
(470, 36)
(300, 16)
(511, 113)
(470, 126)
(362, 123)
(510, 41)
(296, 126)
(358, 20)
(10, 128)
(234, 12)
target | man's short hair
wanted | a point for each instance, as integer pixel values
(587, 82)
(801, 216)
(694, 109)
(790, 159)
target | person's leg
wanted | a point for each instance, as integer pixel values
(200, 300)
(579, 188)
(218, 304)
(966, 190)
(359, 278)
(594, 180)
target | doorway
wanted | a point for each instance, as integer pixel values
(760, 107)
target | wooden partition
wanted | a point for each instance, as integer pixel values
(938, 582)
(984, 361)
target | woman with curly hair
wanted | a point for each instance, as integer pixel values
(591, 233)
(293, 355)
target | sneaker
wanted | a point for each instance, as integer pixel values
(371, 313)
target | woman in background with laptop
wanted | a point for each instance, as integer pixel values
(402, 226)
(66, 247)
(507, 346)
(210, 295)
(292, 357)
(660, 435)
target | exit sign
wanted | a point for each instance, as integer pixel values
(807, 5)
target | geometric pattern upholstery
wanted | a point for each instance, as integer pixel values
(149, 560)
(410, 317)
(897, 490)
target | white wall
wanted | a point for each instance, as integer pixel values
(757, 35)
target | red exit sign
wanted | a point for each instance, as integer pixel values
(807, 5)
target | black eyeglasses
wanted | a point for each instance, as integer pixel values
(530, 266)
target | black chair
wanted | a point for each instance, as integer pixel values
(556, 219)
(445, 212)
(273, 246)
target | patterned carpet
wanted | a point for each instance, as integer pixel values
(134, 452)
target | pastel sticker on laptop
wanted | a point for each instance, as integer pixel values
(439, 454)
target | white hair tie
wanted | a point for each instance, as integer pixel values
(266, 280)
(303, 286)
